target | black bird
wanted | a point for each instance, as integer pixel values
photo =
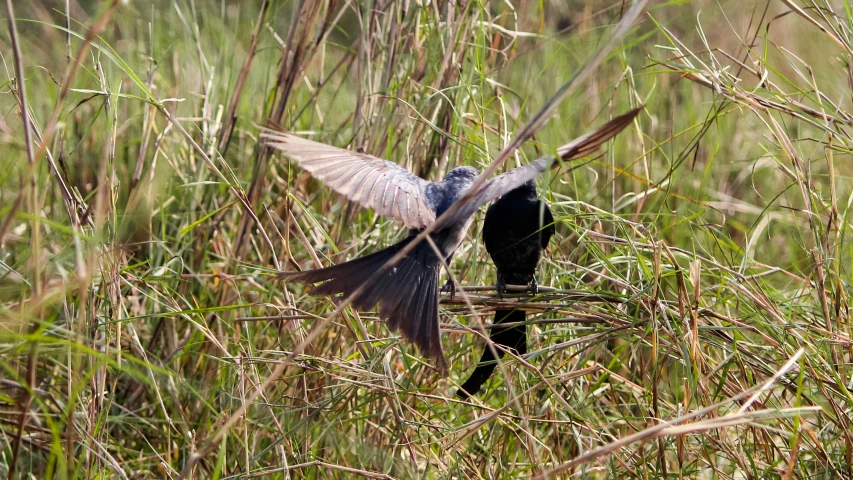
(407, 293)
(517, 229)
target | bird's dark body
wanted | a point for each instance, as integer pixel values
(517, 229)
(516, 232)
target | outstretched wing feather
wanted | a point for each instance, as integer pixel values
(359, 177)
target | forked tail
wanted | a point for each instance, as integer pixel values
(511, 337)
(407, 293)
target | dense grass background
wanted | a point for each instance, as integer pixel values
(703, 259)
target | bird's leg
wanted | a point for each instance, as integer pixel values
(501, 286)
(534, 286)
(448, 286)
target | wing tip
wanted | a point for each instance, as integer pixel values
(286, 275)
(291, 277)
(594, 139)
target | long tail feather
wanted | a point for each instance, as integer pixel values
(429, 333)
(393, 291)
(511, 337)
(404, 309)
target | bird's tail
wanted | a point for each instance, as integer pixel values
(511, 337)
(407, 293)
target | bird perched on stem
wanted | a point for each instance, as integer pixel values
(517, 229)
(407, 292)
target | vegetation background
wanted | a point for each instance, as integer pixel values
(701, 326)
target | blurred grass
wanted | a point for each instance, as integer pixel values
(712, 236)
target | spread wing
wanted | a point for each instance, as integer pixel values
(382, 186)
(504, 183)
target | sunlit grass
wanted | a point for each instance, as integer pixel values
(700, 326)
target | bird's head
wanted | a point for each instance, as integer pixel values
(527, 187)
(466, 174)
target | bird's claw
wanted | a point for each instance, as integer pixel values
(533, 287)
(449, 287)
(501, 286)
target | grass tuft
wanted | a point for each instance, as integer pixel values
(696, 319)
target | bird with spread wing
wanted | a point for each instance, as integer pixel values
(407, 293)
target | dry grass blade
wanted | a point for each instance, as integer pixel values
(672, 427)
(692, 257)
(30, 181)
